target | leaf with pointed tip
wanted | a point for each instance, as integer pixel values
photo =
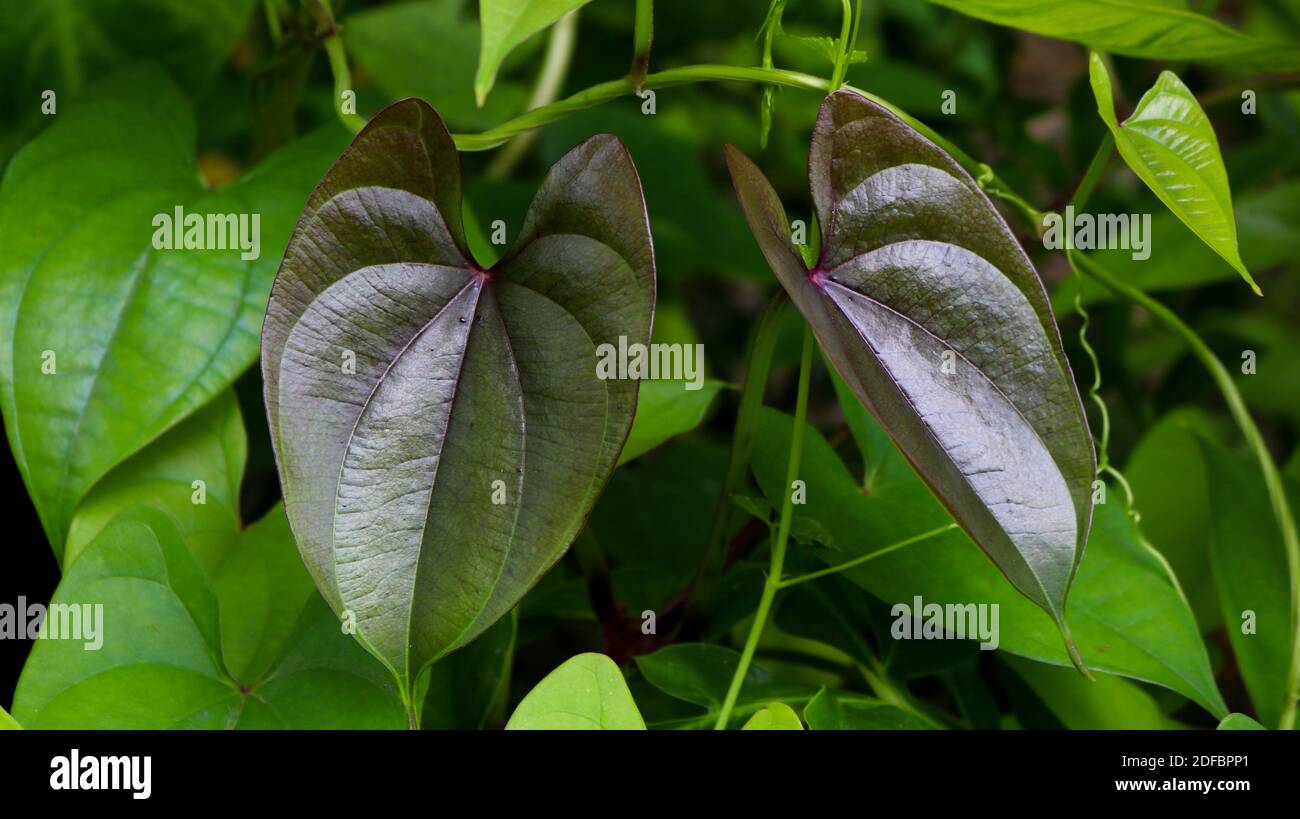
(1170, 145)
(1154, 29)
(506, 24)
(140, 337)
(433, 482)
(1240, 722)
(935, 319)
(586, 692)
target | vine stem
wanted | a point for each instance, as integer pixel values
(1272, 479)
(773, 582)
(642, 40)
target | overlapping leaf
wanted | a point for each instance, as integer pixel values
(934, 317)
(434, 480)
(1170, 145)
(105, 341)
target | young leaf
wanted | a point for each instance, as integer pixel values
(587, 692)
(934, 317)
(442, 430)
(105, 341)
(506, 24)
(1169, 144)
(1125, 614)
(169, 639)
(664, 410)
(837, 711)
(1154, 29)
(776, 716)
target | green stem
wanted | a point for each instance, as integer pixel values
(846, 47)
(858, 561)
(773, 582)
(339, 66)
(606, 91)
(1272, 480)
(1096, 168)
(758, 362)
(555, 67)
(642, 39)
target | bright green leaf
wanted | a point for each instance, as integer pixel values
(161, 665)
(587, 692)
(209, 446)
(1169, 143)
(1153, 29)
(506, 24)
(774, 717)
(105, 342)
(8, 723)
(1240, 722)
(664, 410)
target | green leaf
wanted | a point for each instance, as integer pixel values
(418, 49)
(664, 410)
(700, 673)
(586, 692)
(1125, 615)
(1170, 145)
(168, 638)
(1106, 703)
(775, 717)
(1153, 29)
(476, 431)
(1170, 486)
(932, 314)
(506, 24)
(1268, 231)
(8, 723)
(140, 338)
(1250, 572)
(837, 711)
(467, 691)
(209, 446)
(1240, 722)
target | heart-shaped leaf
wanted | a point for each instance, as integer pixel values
(934, 317)
(586, 692)
(253, 648)
(1170, 145)
(441, 429)
(506, 24)
(106, 341)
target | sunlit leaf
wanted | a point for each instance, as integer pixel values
(1170, 144)
(775, 717)
(506, 24)
(587, 692)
